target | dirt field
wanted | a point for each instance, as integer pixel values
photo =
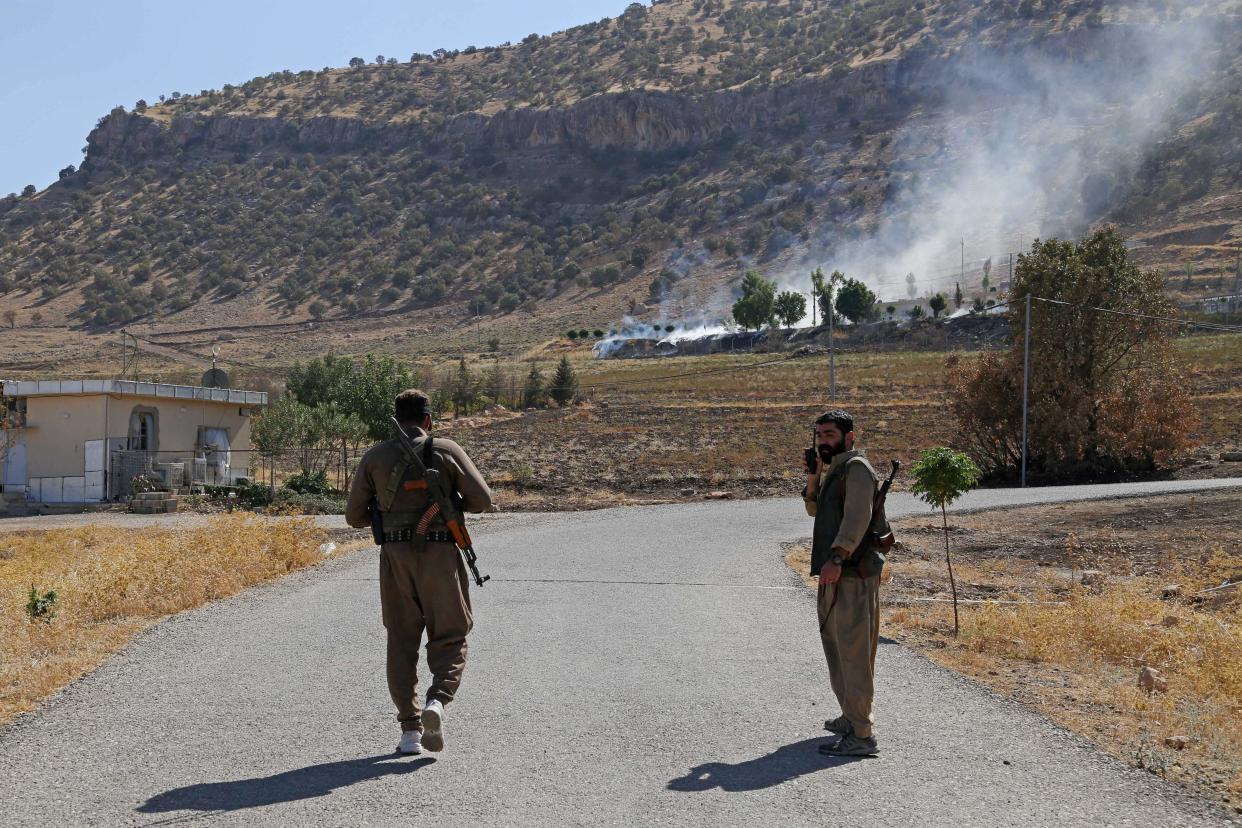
(643, 437)
(1074, 652)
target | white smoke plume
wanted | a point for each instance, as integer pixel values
(1029, 142)
(1015, 142)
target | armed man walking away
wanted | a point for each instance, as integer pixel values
(844, 495)
(423, 580)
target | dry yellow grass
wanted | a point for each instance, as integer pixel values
(111, 583)
(1128, 626)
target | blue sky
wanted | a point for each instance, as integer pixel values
(66, 63)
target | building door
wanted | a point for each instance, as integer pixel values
(14, 476)
(216, 449)
(93, 490)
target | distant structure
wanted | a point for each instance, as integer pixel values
(79, 442)
(1221, 304)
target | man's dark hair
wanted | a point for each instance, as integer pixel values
(837, 417)
(411, 406)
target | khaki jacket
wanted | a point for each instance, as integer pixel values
(381, 460)
(860, 488)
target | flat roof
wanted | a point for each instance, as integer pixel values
(130, 388)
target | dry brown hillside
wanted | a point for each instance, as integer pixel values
(637, 166)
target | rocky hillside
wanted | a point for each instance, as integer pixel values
(638, 165)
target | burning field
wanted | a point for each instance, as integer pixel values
(683, 427)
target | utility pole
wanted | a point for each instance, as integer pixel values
(963, 259)
(1026, 381)
(832, 343)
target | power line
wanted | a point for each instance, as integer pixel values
(1215, 326)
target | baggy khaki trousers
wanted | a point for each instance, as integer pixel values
(424, 589)
(851, 633)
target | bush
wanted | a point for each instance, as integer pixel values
(1107, 398)
(287, 501)
(315, 483)
(253, 495)
(140, 483)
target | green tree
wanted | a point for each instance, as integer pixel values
(937, 304)
(856, 302)
(790, 308)
(756, 307)
(828, 293)
(941, 476)
(314, 434)
(464, 389)
(957, 295)
(564, 383)
(534, 393)
(363, 390)
(817, 289)
(915, 313)
(1106, 394)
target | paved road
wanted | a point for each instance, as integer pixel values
(653, 665)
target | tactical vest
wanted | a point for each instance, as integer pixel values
(867, 559)
(405, 498)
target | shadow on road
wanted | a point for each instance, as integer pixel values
(303, 783)
(781, 765)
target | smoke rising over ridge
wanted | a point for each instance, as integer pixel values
(1029, 142)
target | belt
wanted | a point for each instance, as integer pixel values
(409, 535)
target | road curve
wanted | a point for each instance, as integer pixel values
(655, 665)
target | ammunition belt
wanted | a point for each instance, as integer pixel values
(409, 535)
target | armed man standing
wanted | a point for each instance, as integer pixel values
(844, 496)
(400, 488)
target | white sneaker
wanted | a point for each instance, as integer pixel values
(411, 743)
(433, 725)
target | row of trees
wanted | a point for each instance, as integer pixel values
(760, 304)
(335, 405)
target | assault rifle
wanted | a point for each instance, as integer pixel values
(885, 541)
(442, 503)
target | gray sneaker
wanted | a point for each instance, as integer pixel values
(851, 745)
(840, 726)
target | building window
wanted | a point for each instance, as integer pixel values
(12, 412)
(143, 429)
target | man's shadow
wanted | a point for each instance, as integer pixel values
(303, 783)
(781, 765)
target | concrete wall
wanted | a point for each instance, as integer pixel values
(180, 420)
(57, 430)
(66, 452)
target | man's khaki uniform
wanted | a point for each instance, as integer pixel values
(423, 583)
(849, 610)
